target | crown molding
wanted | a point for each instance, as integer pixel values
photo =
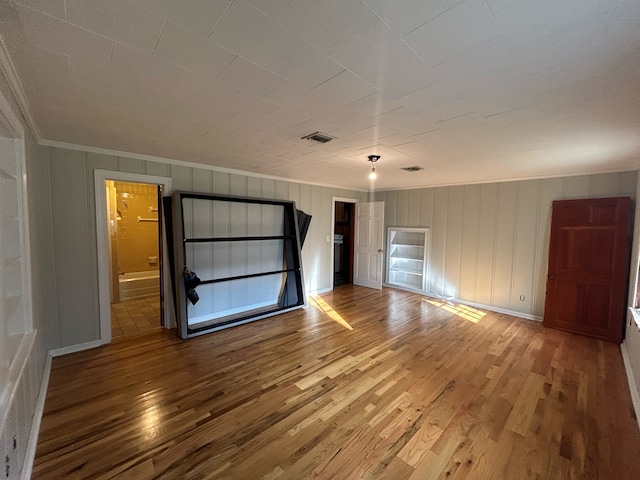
(182, 163)
(10, 73)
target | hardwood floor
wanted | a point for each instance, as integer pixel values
(361, 384)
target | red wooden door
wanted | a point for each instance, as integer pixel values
(588, 267)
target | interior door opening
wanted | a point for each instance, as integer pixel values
(135, 256)
(343, 242)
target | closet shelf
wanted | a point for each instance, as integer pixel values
(405, 270)
(408, 256)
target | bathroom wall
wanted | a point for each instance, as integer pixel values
(136, 241)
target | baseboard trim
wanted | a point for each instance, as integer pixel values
(482, 306)
(633, 386)
(75, 348)
(319, 291)
(30, 454)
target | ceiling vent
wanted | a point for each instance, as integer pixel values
(318, 137)
(415, 168)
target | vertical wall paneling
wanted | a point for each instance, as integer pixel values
(180, 177)
(254, 187)
(439, 240)
(489, 241)
(269, 188)
(72, 231)
(486, 243)
(294, 192)
(524, 259)
(282, 190)
(45, 314)
(220, 183)
(74, 263)
(156, 169)
(391, 208)
(413, 215)
(505, 248)
(550, 190)
(469, 243)
(577, 187)
(426, 207)
(201, 182)
(453, 250)
(602, 184)
(131, 165)
(627, 185)
(78, 321)
(402, 208)
(316, 239)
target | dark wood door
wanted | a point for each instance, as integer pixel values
(588, 267)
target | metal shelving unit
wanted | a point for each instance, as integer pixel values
(246, 253)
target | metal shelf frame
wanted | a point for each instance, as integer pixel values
(292, 291)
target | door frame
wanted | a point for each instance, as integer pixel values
(102, 233)
(335, 200)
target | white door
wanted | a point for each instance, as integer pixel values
(368, 249)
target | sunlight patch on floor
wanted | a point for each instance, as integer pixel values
(324, 307)
(463, 311)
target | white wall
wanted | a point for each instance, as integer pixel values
(489, 242)
(20, 392)
(631, 345)
(74, 233)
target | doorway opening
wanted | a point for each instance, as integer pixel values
(343, 241)
(108, 207)
(135, 258)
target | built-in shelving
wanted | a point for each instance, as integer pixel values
(407, 259)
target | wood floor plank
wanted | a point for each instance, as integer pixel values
(415, 389)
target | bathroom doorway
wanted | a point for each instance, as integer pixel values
(109, 207)
(135, 256)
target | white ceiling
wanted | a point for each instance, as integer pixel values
(473, 90)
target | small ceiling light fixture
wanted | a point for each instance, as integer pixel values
(373, 159)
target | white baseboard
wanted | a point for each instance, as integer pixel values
(633, 386)
(30, 454)
(75, 348)
(482, 306)
(319, 291)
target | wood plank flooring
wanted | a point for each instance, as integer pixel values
(361, 384)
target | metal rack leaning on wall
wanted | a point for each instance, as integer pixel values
(280, 271)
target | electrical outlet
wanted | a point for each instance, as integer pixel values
(522, 297)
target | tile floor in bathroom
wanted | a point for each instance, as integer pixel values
(134, 316)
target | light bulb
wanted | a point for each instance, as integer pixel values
(373, 174)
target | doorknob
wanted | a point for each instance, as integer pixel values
(379, 250)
